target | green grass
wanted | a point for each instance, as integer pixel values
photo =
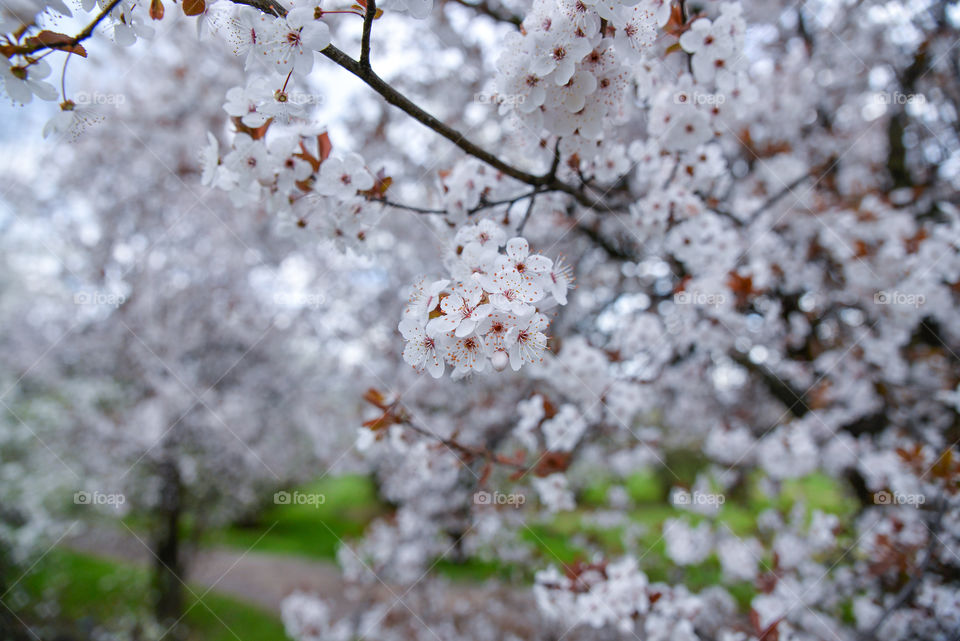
(88, 590)
(314, 531)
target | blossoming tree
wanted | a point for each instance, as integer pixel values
(650, 226)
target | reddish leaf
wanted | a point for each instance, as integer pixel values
(376, 397)
(55, 40)
(769, 633)
(323, 140)
(485, 474)
(381, 184)
(553, 462)
(257, 133)
(156, 9)
(194, 7)
(379, 423)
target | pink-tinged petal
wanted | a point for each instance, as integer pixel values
(487, 282)
(414, 353)
(538, 323)
(518, 248)
(363, 180)
(483, 311)
(538, 263)
(452, 304)
(471, 292)
(435, 365)
(500, 302)
(560, 294)
(466, 327)
(522, 309)
(410, 328)
(441, 325)
(515, 361)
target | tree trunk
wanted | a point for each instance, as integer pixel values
(10, 627)
(168, 565)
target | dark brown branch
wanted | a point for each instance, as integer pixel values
(484, 204)
(510, 202)
(500, 14)
(416, 210)
(795, 401)
(612, 250)
(368, 19)
(395, 98)
(526, 216)
(266, 6)
(769, 202)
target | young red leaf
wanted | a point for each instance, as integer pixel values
(55, 40)
(325, 146)
(194, 7)
(156, 9)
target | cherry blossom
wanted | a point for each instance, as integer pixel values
(343, 177)
(291, 42)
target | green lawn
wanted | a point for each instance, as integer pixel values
(351, 503)
(86, 591)
(313, 531)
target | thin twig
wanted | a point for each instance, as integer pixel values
(368, 18)
(414, 209)
(526, 216)
(486, 9)
(775, 197)
(77, 39)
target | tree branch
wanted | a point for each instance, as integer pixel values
(612, 250)
(769, 202)
(547, 181)
(500, 14)
(368, 19)
(23, 50)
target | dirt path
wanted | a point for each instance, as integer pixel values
(259, 578)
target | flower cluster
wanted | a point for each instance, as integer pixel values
(489, 313)
(618, 594)
(562, 74)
